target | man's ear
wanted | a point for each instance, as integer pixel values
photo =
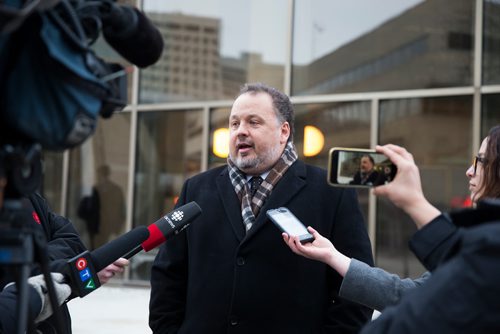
(285, 132)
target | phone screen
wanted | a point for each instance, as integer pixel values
(350, 167)
(289, 224)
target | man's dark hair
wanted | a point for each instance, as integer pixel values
(281, 103)
(369, 157)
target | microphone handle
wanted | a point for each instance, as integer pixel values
(132, 252)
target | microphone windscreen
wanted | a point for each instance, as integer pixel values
(113, 250)
(142, 45)
(170, 224)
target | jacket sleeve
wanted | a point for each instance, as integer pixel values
(433, 243)
(375, 287)
(350, 237)
(8, 308)
(169, 283)
(461, 296)
(63, 241)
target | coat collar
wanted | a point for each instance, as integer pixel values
(289, 185)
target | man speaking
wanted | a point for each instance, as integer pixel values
(230, 272)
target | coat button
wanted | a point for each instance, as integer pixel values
(240, 261)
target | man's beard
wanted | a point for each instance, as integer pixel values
(247, 163)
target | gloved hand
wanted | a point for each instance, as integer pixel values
(62, 292)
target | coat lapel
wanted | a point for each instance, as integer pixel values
(231, 203)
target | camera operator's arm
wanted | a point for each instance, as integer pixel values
(63, 241)
(8, 307)
(406, 189)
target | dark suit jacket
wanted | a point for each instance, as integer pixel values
(212, 278)
(371, 180)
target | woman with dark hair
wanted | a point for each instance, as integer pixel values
(375, 287)
(484, 174)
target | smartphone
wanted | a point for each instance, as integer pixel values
(360, 168)
(288, 223)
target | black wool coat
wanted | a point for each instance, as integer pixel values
(215, 278)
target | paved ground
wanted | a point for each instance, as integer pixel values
(111, 310)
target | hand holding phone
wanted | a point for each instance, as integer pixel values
(352, 167)
(288, 223)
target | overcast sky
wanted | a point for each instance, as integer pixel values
(320, 26)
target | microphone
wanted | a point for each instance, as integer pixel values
(132, 34)
(164, 228)
(84, 267)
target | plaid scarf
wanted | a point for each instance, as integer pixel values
(250, 207)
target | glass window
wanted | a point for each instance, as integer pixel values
(490, 115)
(169, 150)
(219, 137)
(52, 179)
(98, 171)
(363, 45)
(248, 44)
(491, 42)
(437, 131)
(319, 127)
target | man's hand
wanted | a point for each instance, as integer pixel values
(116, 267)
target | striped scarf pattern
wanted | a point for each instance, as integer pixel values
(250, 206)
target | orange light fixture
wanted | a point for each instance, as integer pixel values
(314, 140)
(221, 142)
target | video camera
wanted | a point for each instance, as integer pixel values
(53, 88)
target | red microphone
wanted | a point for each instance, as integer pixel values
(164, 228)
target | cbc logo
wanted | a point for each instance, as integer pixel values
(85, 274)
(177, 216)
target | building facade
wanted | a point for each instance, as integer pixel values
(421, 74)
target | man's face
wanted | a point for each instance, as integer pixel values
(366, 165)
(476, 179)
(256, 137)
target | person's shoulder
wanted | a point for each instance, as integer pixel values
(209, 175)
(36, 197)
(485, 234)
(317, 176)
(311, 169)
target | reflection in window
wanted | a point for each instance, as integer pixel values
(169, 149)
(491, 42)
(230, 43)
(429, 41)
(52, 179)
(437, 132)
(490, 115)
(98, 180)
(344, 124)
